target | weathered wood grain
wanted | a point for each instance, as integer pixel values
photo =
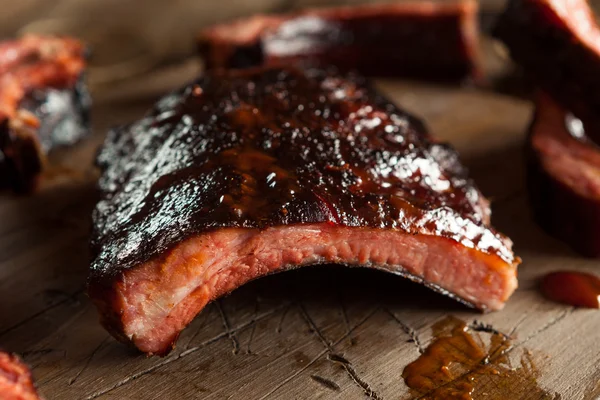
(286, 336)
(280, 339)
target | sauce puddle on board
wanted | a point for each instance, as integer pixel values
(463, 364)
(578, 289)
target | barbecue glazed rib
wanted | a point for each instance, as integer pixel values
(423, 39)
(249, 172)
(564, 177)
(557, 42)
(15, 379)
(43, 104)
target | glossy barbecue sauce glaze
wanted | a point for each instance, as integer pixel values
(433, 40)
(578, 289)
(268, 147)
(369, 42)
(462, 364)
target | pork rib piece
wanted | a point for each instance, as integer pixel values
(43, 104)
(15, 379)
(422, 39)
(564, 177)
(248, 172)
(557, 42)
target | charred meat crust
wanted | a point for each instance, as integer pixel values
(44, 104)
(556, 43)
(424, 39)
(62, 120)
(565, 200)
(200, 195)
(260, 148)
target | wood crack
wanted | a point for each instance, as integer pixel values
(230, 333)
(343, 312)
(88, 360)
(548, 325)
(518, 323)
(313, 327)
(412, 333)
(295, 374)
(253, 330)
(71, 298)
(181, 355)
(283, 315)
(321, 354)
(198, 330)
(364, 385)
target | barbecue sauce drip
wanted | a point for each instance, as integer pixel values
(578, 289)
(460, 364)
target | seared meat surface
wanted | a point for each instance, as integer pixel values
(423, 39)
(564, 177)
(557, 42)
(248, 172)
(43, 104)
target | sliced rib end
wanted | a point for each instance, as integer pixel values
(564, 180)
(15, 379)
(557, 43)
(150, 304)
(365, 38)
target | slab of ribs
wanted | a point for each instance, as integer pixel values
(557, 42)
(421, 39)
(15, 379)
(43, 105)
(244, 173)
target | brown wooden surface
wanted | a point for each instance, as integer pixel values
(274, 338)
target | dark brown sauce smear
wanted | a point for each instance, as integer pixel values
(578, 289)
(461, 364)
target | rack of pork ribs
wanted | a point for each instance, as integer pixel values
(15, 379)
(557, 42)
(244, 173)
(43, 105)
(420, 39)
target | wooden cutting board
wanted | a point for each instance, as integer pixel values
(281, 337)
